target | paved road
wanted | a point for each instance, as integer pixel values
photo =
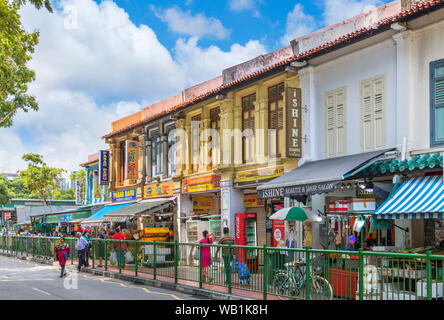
(26, 280)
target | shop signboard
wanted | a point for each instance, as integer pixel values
(132, 158)
(7, 215)
(278, 233)
(158, 190)
(123, 195)
(104, 167)
(67, 217)
(291, 191)
(294, 122)
(202, 205)
(257, 175)
(206, 183)
(79, 193)
(251, 201)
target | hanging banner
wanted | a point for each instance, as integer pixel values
(202, 205)
(159, 190)
(79, 193)
(124, 195)
(251, 201)
(257, 175)
(104, 167)
(132, 158)
(293, 108)
(206, 183)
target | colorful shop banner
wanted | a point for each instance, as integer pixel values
(202, 205)
(251, 201)
(132, 158)
(124, 195)
(67, 217)
(104, 167)
(257, 175)
(201, 184)
(7, 215)
(159, 190)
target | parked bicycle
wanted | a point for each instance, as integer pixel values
(293, 281)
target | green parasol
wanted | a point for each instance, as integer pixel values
(296, 214)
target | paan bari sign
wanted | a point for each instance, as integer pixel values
(160, 190)
(104, 167)
(294, 122)
(124, 195)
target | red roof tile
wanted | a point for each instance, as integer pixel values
(405, 15)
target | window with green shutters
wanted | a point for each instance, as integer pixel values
(437, 102)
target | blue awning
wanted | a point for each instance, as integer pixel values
(417, 198)
(107, 209)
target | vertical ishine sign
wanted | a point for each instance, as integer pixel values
(104, 167)
(294, 122)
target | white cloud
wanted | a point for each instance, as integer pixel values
(339, 10)
(99, 69)
(198, 61)
(298, 24)
(246, 5)
(185, 23)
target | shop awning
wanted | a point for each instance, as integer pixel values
(417, 198)
(128, 212)
(315, 177)
(108, 209)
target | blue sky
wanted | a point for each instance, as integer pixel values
(99, 61)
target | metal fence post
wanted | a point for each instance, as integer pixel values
(265, 286)
(155, 260)
(429, 275)
(119, 256)
(361, 274)
(136, 258)
(92, 253)
(200, 266)
(176, 261)
(307, 273)
(230, 258)
(106, 254)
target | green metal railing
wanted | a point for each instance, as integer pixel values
(260, 272)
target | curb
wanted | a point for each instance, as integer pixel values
(149, 282)
(168, 285)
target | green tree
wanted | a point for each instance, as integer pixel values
(4, 194)
(40, 179)
(16, 47)
(69, 194)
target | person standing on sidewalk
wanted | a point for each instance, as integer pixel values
(206, 255)
(62, 253)
(88, 247)
(226, 240)
(80, 246)
(120, 249)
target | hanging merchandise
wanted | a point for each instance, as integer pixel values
(358, 224)
(380, 225)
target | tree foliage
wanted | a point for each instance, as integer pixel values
(4, 194)
(41, 179)
(16, 47)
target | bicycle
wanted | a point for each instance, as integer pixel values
(294, 279)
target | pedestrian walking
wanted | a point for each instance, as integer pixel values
(88, 247)
(226, 240)
(120, 248)
(80, 246)
(206, 255)
(101, 246)
(62, 253)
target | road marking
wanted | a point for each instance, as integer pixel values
(36, 289)
(141, 288)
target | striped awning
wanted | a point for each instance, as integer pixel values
(417, 198)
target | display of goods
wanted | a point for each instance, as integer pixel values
(342, 205)
(363, 204)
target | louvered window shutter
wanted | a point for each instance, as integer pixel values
(438, 103)
(330, 123)
(367, 122)
(378, 99)
(340, 123)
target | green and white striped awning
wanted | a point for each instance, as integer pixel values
(137, 208)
